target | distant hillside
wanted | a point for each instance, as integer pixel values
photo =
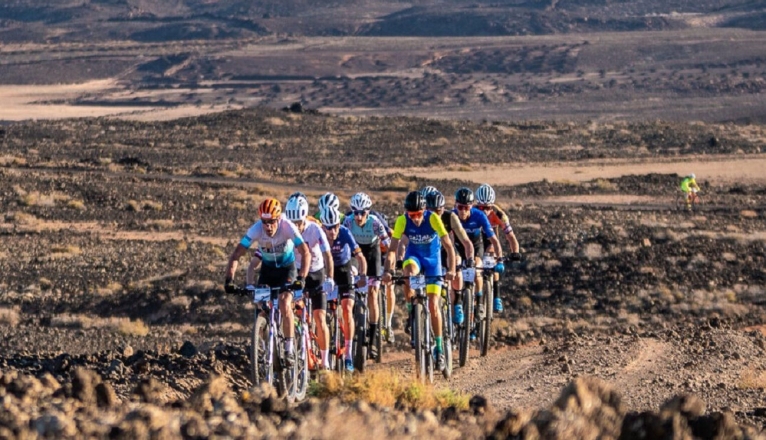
(178, 20)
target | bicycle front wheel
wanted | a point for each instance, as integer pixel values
(261, 367)
(447, 331)
(485, 329)
(418, 336)
(302, 378)
(464, 330)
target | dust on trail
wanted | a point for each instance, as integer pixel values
(716, 169)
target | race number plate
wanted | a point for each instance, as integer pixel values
(261, 294)
(297, 294)
(469, 275)
(418, 282)
(332, 295)
(489, 262)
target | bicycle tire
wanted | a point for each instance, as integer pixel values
(447, 330)
(332, 350)
(301, 362)
(281, 382)
(260, 370)
(360, 338)
(377, 340)
(418, 337)
(428, 343)
(464, 331)
(486, 324)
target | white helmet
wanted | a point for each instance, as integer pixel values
(426, 190)
(330, 216)
(297, 209)
(692, 176)
(485, 195)
(329, 199)
(297, 194)
(360, 202)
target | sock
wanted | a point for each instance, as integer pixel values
(325, 359)
(389, 318)
(373, 328)
(288, 345)
(409, 307)
(348, 349)
(479, 294)
(438, 340)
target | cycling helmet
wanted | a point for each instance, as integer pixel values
(297, 209)
(360, 201)
(485, 195)
(435, 200)
(330, 216)
(329, 199)
(464, 196)
(270, 209)
(414, 202)
(692, 176)
(426, 190)
(297, 194)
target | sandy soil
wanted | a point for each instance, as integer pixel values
(720, 169)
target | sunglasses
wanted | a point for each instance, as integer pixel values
(415, 214)
(485, 207)
(331, 228)
(269, 222)
(360, 213)
(462, 207)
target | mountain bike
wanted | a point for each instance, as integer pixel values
(694, 201)
(268, 360)
(462, 332)
(365, 346)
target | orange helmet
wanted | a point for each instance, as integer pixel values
(270, 209)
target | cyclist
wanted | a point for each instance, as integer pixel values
(485, 201)
(435, 202)
(426, 236)
(475, 222)
(296, 211)
(689, 187)
(328, 199)
(277, 240)
(370, 234)
(343, 247)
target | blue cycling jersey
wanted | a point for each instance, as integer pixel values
(475, 224)
(343, 247)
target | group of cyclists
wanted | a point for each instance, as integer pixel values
(292, 250)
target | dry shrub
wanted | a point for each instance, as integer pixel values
(133, 206)
(182, 246)
(109, 289)
(276, 122)
(217, 251)
(22, 218)
(200, 286)
(567, 182)
(592, 251)
(752, 379)
(45, 283)
(159, 224)
(76, 204)
(64, 251)
(605, 185)
(121, 325)
(387, 388)
(151, 205)
(9, 317)
(748, 214)
(12, 160)
(104, 160)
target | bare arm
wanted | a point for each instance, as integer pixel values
(496, 243)
(231, 267)
(392, 254)
(361, 262)
(255, 264)
(305, 259)
(328, 263)
(448, 246)
(513, 243)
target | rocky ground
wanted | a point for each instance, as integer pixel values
(115, 235)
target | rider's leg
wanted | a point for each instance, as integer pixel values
(390, 304)
(372, 301)
(434, 293)
(347, 309)
(288, 318)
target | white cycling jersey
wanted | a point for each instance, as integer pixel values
(276, 251)
(317, 242)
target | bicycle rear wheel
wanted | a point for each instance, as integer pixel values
(464, 330)
(360, 337)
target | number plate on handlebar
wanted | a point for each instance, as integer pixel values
(261, 294)
(418, 282)
(297, 294)
(469, 275)
(489, 262)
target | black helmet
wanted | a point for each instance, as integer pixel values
(414, 202)
(434, 200)
(464, 196)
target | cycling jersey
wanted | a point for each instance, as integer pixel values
(424, 244)
(371, 232)
(343, 247)
(476, 223)
(276, 251)
(452, 224)
(380, 216)
(687, 184)
(316, 240)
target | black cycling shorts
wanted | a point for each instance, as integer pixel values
(313, 285)
(344, 280)
(277, 276)
(371, 253)
(478, 248)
